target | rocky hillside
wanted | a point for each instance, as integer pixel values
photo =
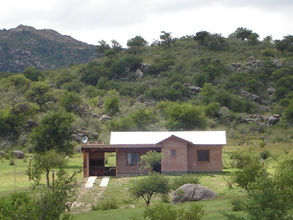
(26, 46)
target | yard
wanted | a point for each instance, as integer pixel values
(14, 178)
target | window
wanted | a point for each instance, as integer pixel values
(132, 159)
(203, 155)
(173, 153)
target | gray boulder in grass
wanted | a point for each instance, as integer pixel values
(18, 154)
(192, 192)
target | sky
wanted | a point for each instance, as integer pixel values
(93, 20)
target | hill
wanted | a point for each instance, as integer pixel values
(201, 82)
(26, 46)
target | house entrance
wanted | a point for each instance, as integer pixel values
(102, 164)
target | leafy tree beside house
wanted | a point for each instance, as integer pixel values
(151, 160)
(53, 132)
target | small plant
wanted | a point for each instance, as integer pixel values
(262, 144)
(265, 154)
(11, 163)
(106, 205)
(166, 212)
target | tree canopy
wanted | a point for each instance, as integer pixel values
(53, 132)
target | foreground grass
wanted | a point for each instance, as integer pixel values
(14, 178)
(133, 209)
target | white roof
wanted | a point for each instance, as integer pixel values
(195, 137)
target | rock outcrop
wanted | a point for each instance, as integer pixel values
(192, 192)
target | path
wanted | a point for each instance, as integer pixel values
(89, 193)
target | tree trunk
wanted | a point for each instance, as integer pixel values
(48, 179)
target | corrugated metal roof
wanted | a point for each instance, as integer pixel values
(195, 137)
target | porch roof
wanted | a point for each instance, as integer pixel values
(153, 138)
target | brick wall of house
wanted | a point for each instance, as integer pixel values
(122, 167)
(213, 165)
(174, 163)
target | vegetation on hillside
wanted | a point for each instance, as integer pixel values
(201, 82)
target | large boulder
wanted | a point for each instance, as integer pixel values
(274, 119)
(105, 118)
(18, 154)
(192, 192)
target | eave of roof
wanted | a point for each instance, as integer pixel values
(118, 146)
(194, 137)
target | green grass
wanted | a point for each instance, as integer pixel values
(118, 187)
(134, 208)
(14, 177)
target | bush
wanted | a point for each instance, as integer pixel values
(248, 175)
(166, 212)
(240, 159)
(237, 204)
(106, 205)
(265, 154)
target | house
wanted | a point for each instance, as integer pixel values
(183, 152)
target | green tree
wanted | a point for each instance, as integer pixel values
(47, 161)
(142, 118)
(166, 39)
(185, 116)
(201, 37)
(102, 47)
(241, 33)
(151, 160)
(252, 38)
(92, 73)
(248, 175)
(147, 187)
(285, 44)
(135, 44)
(15, 117)
(53, 132)
(19, 82)
(283, 178)
(70, 101)
(33, 74)
(112, 103)
(41, 94)
(289, 112)
(116, 46)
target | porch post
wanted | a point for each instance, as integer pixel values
(116, 161)
(85, 167)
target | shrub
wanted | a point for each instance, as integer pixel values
(237, 204)
(265, 154)
(240, 159)
(106, 205)
(248, 175)
(166, 212)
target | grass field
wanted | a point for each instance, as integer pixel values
(14, 178)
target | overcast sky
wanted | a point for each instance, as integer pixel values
(94, 20)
